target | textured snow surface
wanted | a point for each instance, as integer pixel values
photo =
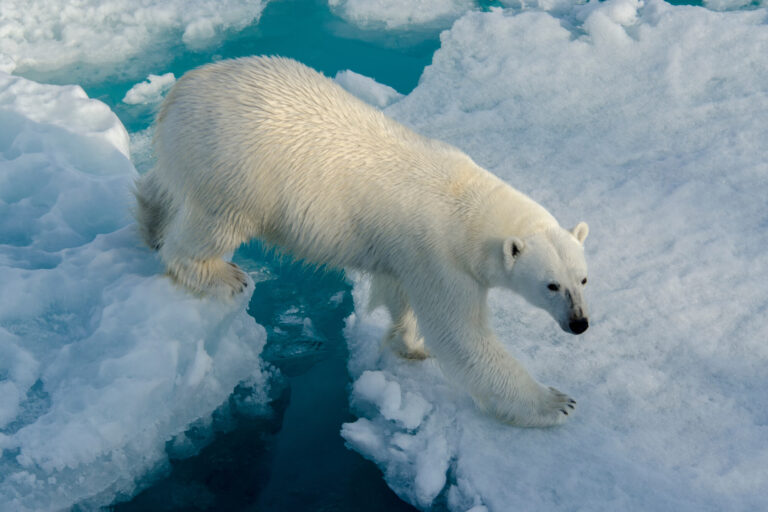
(45, 35)
(400, 14)
(102, 360)
(404, 15)
(725, 5)
(650, 122)
(367, 89)
(151, 90)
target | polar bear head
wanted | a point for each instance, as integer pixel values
(548, 269)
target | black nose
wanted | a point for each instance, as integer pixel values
(578, 325)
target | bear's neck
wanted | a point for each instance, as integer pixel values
(499, 212)
(508, 212)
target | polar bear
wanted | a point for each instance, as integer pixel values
(267, 147)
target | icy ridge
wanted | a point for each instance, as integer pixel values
(47, 35)
(102, 360)
(648, 121)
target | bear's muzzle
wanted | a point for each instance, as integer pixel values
(578, 325)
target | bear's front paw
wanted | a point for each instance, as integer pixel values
(537, 407)
(554, 406)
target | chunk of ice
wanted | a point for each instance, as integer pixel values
(102, 359)
(151, 90)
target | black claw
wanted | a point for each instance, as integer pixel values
(572, 407)
(564, 411)
(572, 401)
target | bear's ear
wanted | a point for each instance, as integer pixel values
(512, 247)
(581, 231)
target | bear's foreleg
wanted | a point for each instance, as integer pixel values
(403, 336)
(454, 321)
(500, 385)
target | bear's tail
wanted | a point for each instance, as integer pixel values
(153, 209)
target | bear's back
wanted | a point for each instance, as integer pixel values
(317, 168)
(277, 103)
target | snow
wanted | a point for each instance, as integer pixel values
(420, 15)
(400, 14)
(725, 5)
(367, 89)
(47, 35)
(102, 359)
(7, 64)
(151, 90)
(386, 395)
(648, 121)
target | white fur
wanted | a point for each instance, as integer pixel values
(268, 148)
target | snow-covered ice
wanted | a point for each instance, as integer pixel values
(725, 5)
(409, 15)
(109, 35)
(650, 122)
(367, 89)
(102, 360)
(400, 14)
(151, 90)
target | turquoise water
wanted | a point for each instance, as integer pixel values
(294, 459)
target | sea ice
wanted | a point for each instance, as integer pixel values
(367, 89)
(151, 90)
(649, 121)
(725, 5)
(47, 35)
(102, 360)
(400, 14)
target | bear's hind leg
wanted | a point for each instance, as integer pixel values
(154, 210)
(193, 250)
(403, 336)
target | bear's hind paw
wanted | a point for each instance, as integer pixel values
(416, 354)
(217, 277)
(231, 281)
(404, 344)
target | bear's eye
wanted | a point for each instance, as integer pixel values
(553, 286)
(584, 281)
